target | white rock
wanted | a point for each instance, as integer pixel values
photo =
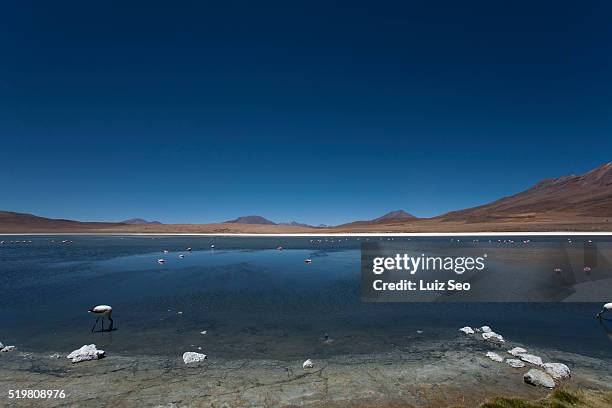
(512, 362)
(557, 370)
(539, 377)
(203, 332)
(486, 329)
(191, 357)
(54, 356)
(493, 337)
(1, 345)
(308, 364)
(466, 330)
(517, 351)
(495, 357)
(7, 348)
(86, 353)
(530, 358)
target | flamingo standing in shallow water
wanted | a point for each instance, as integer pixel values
(102, 311)
(606, 307)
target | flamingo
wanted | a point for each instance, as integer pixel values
(102, 311)
(606, 307)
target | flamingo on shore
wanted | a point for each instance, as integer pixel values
(102, 311)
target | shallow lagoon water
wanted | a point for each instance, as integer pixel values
(253, 300)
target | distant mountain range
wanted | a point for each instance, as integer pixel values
(393, 216)
(296, 224)
(259, 220)
(582, 202)
(139, 221)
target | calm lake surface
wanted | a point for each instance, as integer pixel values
(253, 300)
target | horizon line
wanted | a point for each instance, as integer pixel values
(352, 234)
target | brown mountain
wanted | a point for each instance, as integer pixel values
(394, 216)
(251, 219)
(587, 195)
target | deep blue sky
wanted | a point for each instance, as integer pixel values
(322, 112)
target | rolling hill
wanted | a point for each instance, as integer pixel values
(587, 195)
(19, 222)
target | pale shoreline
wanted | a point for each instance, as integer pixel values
(329, 234)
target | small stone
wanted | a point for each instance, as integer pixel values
(557, 371)
(191, 357)
(486, 329)
(86, 353)
(419, 331)
(512, 362)
(517, 351)
(466, 330)
(493, 337)
(495, 357)
(203, 332)
(530, 358)
(539, 378)
(56, 356)
(308, 364)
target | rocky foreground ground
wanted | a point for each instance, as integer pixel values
(430, 374)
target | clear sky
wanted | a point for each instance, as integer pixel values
(320, 112)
